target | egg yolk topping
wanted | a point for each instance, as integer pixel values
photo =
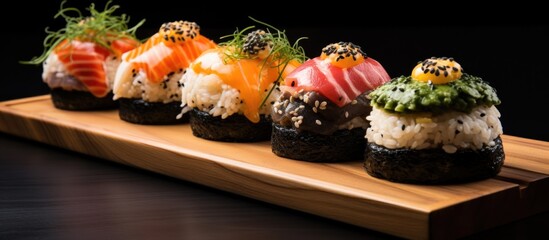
(437, 70)
(178, 31)
(343, 54)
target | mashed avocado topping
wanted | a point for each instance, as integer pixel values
(406, 95)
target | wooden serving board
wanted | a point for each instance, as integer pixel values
(340, 191)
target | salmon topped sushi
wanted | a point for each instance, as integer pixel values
(228, 91)
(147, 81)
(80, 60)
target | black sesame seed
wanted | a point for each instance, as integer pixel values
(460, 122)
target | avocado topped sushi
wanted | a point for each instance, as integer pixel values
(229, 90)
(321, 114)
(438, 125)
(80, 61)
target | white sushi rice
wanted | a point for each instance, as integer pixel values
(208, 93)
(56, 76)
(139, 87)
(449, 131)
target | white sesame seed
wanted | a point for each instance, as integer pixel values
(354, 102)
(346, 114)
(314, 109)
(323, 105)
(318, 122)
(317, 103)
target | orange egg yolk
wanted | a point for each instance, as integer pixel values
(437, 70)
(343, 55)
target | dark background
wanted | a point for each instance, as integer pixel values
(506, 45)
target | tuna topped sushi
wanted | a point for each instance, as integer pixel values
(439, 125)
(321, 114)
(229, 90)
(80, 60)
(147, 80)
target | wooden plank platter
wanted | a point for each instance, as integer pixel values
(340, 191)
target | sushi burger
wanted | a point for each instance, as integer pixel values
(438, 125)
(321, 114)
(80, 61)
(147, 81)
(228, 91)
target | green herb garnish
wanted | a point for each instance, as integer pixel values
(100, 27)
(248, 45)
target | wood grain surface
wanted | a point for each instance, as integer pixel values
(340, 191)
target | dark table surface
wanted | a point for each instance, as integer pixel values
(52, 193)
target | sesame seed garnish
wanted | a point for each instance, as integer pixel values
(318, 122)
(344, 50)
(346, 114)
(323, 105)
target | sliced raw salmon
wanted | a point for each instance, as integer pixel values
(85, 61)
(158, 59)
(249, 76)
